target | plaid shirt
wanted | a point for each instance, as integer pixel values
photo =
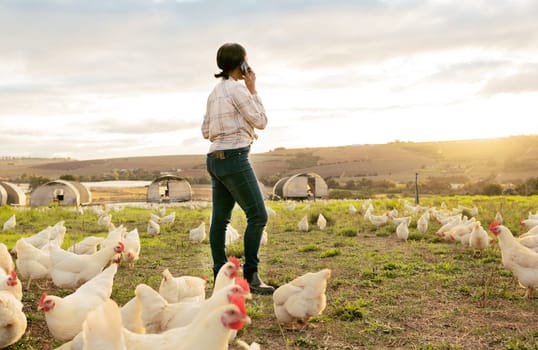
(231, 116)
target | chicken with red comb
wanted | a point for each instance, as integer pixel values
(520, 260)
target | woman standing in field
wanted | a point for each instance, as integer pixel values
(234, 110)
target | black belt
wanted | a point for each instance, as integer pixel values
(228, 153)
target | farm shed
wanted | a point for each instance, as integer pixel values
(169, 188)
(11, 194)
(301, 186)
(61, 192)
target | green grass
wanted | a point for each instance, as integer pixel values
(425, 293)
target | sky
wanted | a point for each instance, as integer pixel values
(124, 78)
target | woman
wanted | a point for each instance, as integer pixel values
(234, 110)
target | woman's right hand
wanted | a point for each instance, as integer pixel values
(250, 81)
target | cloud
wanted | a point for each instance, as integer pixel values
(118, 73)
(524, 80)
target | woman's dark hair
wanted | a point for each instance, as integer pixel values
(229, 57)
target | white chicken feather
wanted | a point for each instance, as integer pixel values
(302, 298)
(64, 316)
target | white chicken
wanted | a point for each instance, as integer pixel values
(182, 288)
(232, 235)
(221, 321)
(532, 231)
(378, 220)
(52, 234)
(131, 316)
(498, 218)
(422, 222)
(131, 252)
(168, 219)
(69, 270)
(115, 235)
(322, 222)
(303, 224)
(32, 263)
(10, 223)
(87, 246)
(6, 261)
(10, 283)
(12, 319)
(402, 230)
(520, 260)
(244, 345)
(478, 239)
(227, 274)
(198, 234)
(529, 241)
(302, 298)
(64, 316)
(529, 223)
(105, 220)
(103, 329)
(352, 209)
(265, 238)
(153, 228)
(158, 315)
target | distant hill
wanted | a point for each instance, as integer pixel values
(501, 160)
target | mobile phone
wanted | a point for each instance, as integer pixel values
(244, 68)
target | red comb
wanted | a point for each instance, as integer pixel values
(240, 302)
(235, 261)
(242, 283)
(13, 274)
(42, 299)
(493, 225)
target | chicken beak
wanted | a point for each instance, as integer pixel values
(248, 296)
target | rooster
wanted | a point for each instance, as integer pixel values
(132, 247)
(12, 319)
(158, 315)
(69, 270)
(64, 316)
(520, 260)
(302, 298)
(183, 288)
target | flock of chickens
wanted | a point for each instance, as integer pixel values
(519, 254)
(177, 316)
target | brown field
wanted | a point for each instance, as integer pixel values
(138, 194)
(502, 160)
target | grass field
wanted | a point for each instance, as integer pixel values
(383, 293)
